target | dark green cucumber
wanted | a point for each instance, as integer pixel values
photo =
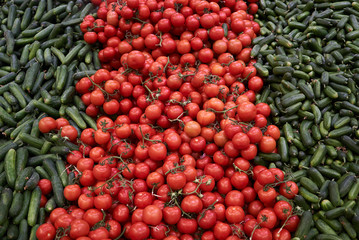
(58, 190)
(32, 182)
(16, 204)
(304, 225)
(5, 203)
(24, 208)
(10, 167)
(34, 207)
(22, 178)
(334, 195)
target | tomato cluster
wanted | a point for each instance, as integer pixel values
(178, 126)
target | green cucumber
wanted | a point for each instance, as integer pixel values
(10, 167)
(34, 207)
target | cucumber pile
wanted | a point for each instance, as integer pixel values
(308, 53)
(41, 53)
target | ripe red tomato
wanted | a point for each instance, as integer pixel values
(47, 124)
(282, 209)
(288, 189)
(72, 192)
(79, 228)
(69, 132)
(46, 231)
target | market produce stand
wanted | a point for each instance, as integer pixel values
(179, 119)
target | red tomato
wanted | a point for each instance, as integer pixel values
(46, 231)
(47, 124)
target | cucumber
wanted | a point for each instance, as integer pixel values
(16, 204)
(34, 207)
(12, 232)
(5, 203)
(58, 190)
(61, 171)
(304, 225)
(309, 185)
(318, 155)
(316, 176)
(23, 230)
(4, 228)
(324, 236)
(346, 185)
(33, 232)
(324, 191)
(335, 213)
(32, 182)
(324, 227)
(10, 167)
(24, 209)
(50, 205)
(50, 167)
(348, 227)
(308, 195)
(22, 178)
(334, 195)
(354, 191)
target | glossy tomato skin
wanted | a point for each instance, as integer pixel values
(46, 231)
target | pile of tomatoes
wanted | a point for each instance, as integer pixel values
(178, 126)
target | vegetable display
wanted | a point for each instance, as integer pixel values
(179, 119)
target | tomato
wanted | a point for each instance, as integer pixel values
(101, 75)
(69, 132)
(288, 189)
(64, 221)
(267, 144)
(239, 180)
(47, 124)
(292, 223)
(90, 37)
(103, 201)
(267, 218)
(272, 130)
(136, 59)
(139, 231)
(281, 234)
(46, 231)
(60, 122)
(192, 204)
(234, 198)
(176, 181)
(241, 140)
(221, 230)
(186, 225)
(72, 192)
(99, 233)
(267, 195)
(235, 214)
(205, 55)
(45, 186)
(157, 152)
(265, 177)
(247, 111)
(278, 174)
(282, 209)
(262, 234)
(152, 215)
(79, 228)
(115, 228)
